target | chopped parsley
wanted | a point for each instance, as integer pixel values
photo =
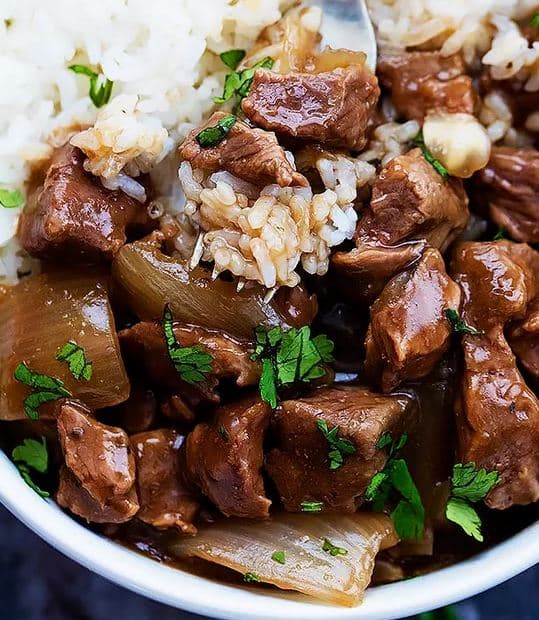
(11, 198)
(223, 433)
(332, 549)
(311, 506)
(468, 486)
(395, 479)
(251, 578)
(289, 357)
(279, 557)
(193, 364)
(79, 366)
(238, 83)
(232, 58)
(211, 136)
(338, 447)
(535, 20)
(100, 87)
(44, 389)
(501, 234)
(459, 325)
(437, 165)
(32, 455)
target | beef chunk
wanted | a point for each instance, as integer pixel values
(423, 81)
(498, 279)
(510, 186)
(99, 475)
(145, 343)
(299, 465)
(248, 153)
(333, 108)
(411, 204)
(165, 501)
(497, 413)
(70, 214)
(408, 332)
(498, 420)
(224, 459)
(74, 497)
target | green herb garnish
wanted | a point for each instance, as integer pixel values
(32, 455)
(338, 447)
(333, 550)
(437, 165)
(459, 325)
(409, 514)
(289, 357)
(468, 486)
(75, 357)
(100, 90)
(501, 234)
(311, 506)
(211, 136)
(237, 84)
(232, 58)
(44, 389)
(223, 433)
(279, 557)
(535, 21)
(11, 198)
(193, 364)
(251, 578)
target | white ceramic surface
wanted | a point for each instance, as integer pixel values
(202, 596)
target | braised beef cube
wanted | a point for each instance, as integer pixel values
(165, 500)
(420, 82)
(499, 279)
(73, 496)
(70, 215)
(411, 205)
(497, 413)
(100, 468)
(498, 420)
(300, 464)
(411, 201)
(224, 459)
(409, 332)
(248, 153)
(333, 108)
(509, 184)
(145, 344)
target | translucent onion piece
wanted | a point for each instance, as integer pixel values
(148, 279)
(38, 316)
(247, 547)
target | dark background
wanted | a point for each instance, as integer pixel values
(37, 583)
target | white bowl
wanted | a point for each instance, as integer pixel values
(179, 589)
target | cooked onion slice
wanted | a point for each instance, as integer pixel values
(147, 279)
(40, 315)
(248, 547)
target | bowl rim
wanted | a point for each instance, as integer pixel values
(185, 591)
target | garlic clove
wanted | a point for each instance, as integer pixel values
(458, 141)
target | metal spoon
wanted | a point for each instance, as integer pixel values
(346, 24)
